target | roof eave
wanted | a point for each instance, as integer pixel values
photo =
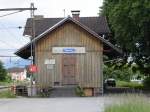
(76, 22)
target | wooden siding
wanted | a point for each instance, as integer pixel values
(89, 65)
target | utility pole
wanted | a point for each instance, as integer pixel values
(31, 9)
(32, 45)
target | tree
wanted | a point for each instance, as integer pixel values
(130, 22)
(3, 73)
(119, 70)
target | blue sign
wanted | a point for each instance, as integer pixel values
(69, 50)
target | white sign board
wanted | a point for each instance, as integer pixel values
(68, 50)
(49, 61)
(50, 67)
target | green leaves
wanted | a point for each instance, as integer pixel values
(121, 70)
(3, 73)
(127, 19)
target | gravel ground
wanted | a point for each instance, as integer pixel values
(88, 104)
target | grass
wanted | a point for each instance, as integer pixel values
(7, 94)
(129, 107)
(5, 83)
(130, 103)
(134, 85)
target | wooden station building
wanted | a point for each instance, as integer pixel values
(69, 51)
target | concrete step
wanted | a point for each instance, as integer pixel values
(63, 92)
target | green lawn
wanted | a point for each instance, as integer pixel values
(4, 83)
(7, 94)
(134, 85)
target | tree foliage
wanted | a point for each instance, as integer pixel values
(3, 73)
(147, 83)
(121, 70)
(130, 22)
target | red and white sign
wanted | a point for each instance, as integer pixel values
(33, 68)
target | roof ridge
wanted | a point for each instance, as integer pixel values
(70, 16)
(78, 23)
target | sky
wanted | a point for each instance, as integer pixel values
(11, 37)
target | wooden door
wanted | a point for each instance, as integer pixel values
(68, 69)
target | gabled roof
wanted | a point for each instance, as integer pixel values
(15, 70)
(97, 24)
(22, 52)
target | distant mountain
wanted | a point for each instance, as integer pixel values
(16, 63)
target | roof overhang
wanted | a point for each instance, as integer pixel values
(24, 52)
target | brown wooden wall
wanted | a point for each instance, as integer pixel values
(89, 65)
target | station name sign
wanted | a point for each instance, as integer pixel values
(68, 50)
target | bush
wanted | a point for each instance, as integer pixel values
(79, 91)
(117, 73)
(3, 72)
(146, 83)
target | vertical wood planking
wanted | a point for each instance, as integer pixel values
(88, 65)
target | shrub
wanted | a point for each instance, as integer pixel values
(3, 72)
(79, 91)
(146, 83)
(117, 73)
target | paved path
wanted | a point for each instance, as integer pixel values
(93, 104)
